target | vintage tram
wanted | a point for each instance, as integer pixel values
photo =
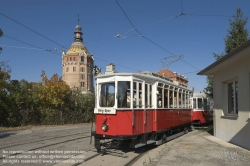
(202, 112)
(139, 109)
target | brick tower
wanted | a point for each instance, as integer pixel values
(77, 64)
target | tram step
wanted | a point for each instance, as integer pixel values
(139, 145)
(150, 141)
(175, 136)
(159, 142)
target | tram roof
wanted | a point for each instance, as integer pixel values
(147, 76)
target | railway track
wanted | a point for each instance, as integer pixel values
(142, 153)
(48, 145)
(43, 142)
(17, 143)
(132, 155)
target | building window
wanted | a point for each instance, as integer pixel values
(67, 69)
(67, 58)
(232, 97)
(74, 68)
(74, 58)
(82, 58)
(82, 76)
(70, 59)
(82, 84)
(82, 69)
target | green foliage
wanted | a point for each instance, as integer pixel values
(4, 102)
(218, 56)
(209, 89)
(237, 35)
(47, 102)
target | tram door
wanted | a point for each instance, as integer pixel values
(142, 106)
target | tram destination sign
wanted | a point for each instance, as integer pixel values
(104, 111)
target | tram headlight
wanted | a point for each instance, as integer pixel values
(104, 127)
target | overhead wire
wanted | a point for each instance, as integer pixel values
(22, 47)
(31, 29)
(134, 28)
(139, 32)
(117, 64)
(39, 48)
(48, 50)
(148, 38)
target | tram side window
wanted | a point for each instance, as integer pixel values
(150, 96)
(134, 94)
(160, 97)
(107, 96)
(166, 98)
(189, 105)
(140, 95)
(123, 99)
(146, 96)
(171, 98)
(200, 105)
(180, 100)
(175, 99)
(205, 106)
(186, 101)
(194, 103)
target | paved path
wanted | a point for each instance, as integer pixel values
(196, 149)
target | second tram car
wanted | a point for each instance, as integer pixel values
(139, 109)
(201, 113)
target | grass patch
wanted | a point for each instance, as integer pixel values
(209, 129)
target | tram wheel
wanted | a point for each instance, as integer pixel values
(98, 145)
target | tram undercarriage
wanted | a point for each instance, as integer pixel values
(157, 138)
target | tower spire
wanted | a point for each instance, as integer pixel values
(78, 31)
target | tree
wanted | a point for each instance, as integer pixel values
(53, 95)
(237, 35)
(4, 83)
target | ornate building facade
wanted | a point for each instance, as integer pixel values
(77, 64)
(173, 76)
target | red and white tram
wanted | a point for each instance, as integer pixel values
(201, 113)
(139, 108)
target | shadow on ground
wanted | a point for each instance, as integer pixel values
(3, 135)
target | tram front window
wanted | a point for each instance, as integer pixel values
(107, 96)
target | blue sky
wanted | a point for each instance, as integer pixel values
(195, 35)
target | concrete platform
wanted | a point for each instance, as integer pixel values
(196, 148)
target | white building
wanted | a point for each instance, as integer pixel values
(231, 89)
